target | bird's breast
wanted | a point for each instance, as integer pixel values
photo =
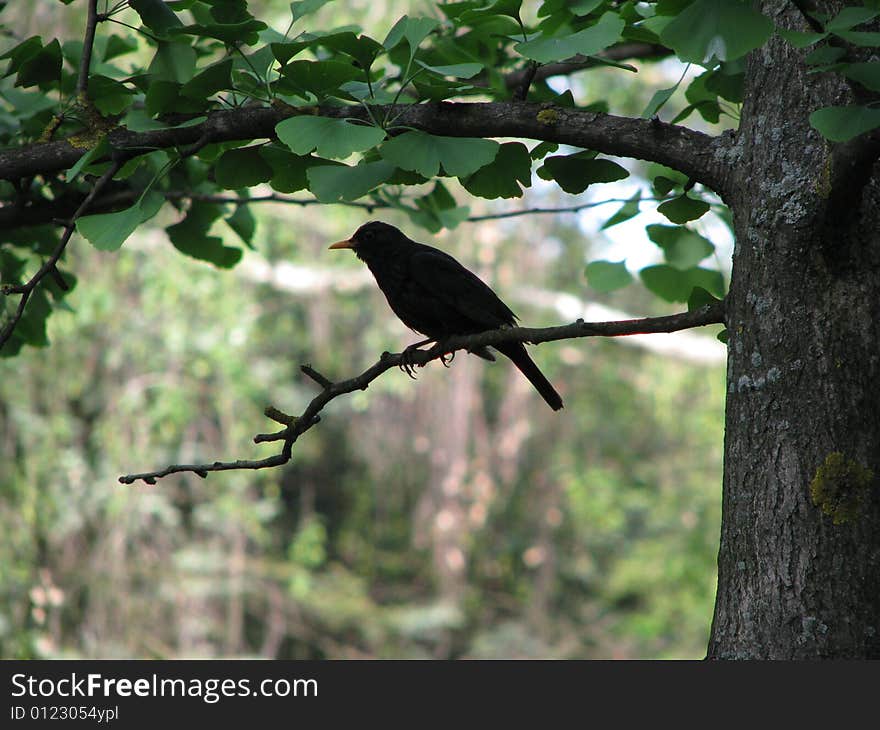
(406, 298)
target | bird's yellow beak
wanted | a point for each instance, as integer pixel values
(347, 243)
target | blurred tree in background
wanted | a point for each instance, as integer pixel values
(452, 517)
(446, 517)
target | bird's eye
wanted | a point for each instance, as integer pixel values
(367, 235)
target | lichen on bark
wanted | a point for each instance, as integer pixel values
(840, 486)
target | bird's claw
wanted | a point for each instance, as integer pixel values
(407, 361)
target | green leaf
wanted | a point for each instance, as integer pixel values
(27, 103)
(11, 268)
(435, 88)
(99, 150)
(414, 30)
(607, 276)
(108, 95)
(658, 99)
(860, 38)
(31, 328)
(437, 210)
(703, 99)
(849, 18)
(246, 32)
(241, 168)
(682, 247)
(575, 173)
(361, 91)
(331, 184)
(174, 61)
(362, 49)
(223, 11)
(118, 46)
(164, 97)
(44, 67)
(335, 138)
(587, 42)
(190, 236)
(800, 39)
(727, 82)
(425, 153)
(458, 70)
(584, 7)
(683, 208)
(289, 170)
(217, 77)
(283, 52)
(700, 298)
(540, 151)
(662, 185)
(322, 78)
(478, 11)
(244, 224)
(867, 74)
(500, 178)
(630, 209)
(725, 29)
(22, 52)
(108, 231)
(675, 285)
(305, 7)
(841, 123)
(824, 55)
(156, 15)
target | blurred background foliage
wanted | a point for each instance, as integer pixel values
(455, 516)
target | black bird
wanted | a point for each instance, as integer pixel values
(434, 294)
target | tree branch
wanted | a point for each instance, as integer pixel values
(807, 8)
(296, 426)
(27, 288)
(618, 53)
(82, 80)
(693, 153)
(526, 77)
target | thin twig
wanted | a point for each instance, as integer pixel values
(316, 376)
(615, 54)
(203, 469)
(46, 211)
(521, 92)
(82, 81)
(709, 314)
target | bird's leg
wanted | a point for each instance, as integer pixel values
(407, 357)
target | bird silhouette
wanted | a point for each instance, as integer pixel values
(434, 294)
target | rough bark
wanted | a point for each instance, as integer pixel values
(699, 156)
(803, 403)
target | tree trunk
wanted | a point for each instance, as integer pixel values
(799, 564)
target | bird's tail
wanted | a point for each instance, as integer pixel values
(516, 351)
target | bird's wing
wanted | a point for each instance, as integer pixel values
(441, 276)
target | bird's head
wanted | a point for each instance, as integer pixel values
(372, 238)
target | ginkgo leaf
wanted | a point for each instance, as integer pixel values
(425, 153)
(585, 42)
(333, 138)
